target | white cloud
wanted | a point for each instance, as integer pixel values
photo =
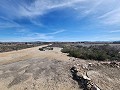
(40, 7)
(7, 23)
(37, 36)
(19, 9)
(28, 35)
(112, 17)
(114, 31)
(104, 11)
(57, 32)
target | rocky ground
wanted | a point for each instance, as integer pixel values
(31, 69)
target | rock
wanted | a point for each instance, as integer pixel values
(73, 59)
(94, 87)
(85, 66)
(82, 78)
(118, 66)
(114, 64)
(78, 64)
(90, 64)
(80, 74)
(85, 77)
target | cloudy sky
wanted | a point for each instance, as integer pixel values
(59, 20)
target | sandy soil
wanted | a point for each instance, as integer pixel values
(13, 56)
(37, 74)
(31, 69)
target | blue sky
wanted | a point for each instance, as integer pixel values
(59, 20)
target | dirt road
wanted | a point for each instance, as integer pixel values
(14, 56)
(31, 69)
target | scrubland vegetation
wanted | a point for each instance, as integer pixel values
(46, 62)
(45, 48)
(96, 52)
(100, 52)
(16, 46)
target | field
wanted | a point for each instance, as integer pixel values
(50, 69)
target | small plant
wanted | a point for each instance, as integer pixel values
(41, 49)
(50, 48)
(45, 48)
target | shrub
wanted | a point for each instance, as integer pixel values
(50, 48)
(10, 47)
(46, 48)
(104, 52)
(41, 49)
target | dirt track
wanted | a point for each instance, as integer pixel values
(31, 69)
(13, 56)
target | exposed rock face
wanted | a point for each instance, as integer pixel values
(83, 80)
(94, 87)
(113, 64)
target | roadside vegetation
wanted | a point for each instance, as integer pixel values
(12, 47)
(96, 52)
(46, 48)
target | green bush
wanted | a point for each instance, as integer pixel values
(11, 47)
(46, 48)
(104, 52)
(50, 48)
(41, 49)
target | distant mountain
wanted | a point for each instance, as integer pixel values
(116, 42)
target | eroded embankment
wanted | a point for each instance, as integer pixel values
(97, 76)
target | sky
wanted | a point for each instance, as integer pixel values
(59, 20)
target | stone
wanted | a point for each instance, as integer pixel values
(94, 87)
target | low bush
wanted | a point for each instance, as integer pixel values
(101, 53)
(50, 48)
(45, 48)
(41, 49)
(12, 47)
